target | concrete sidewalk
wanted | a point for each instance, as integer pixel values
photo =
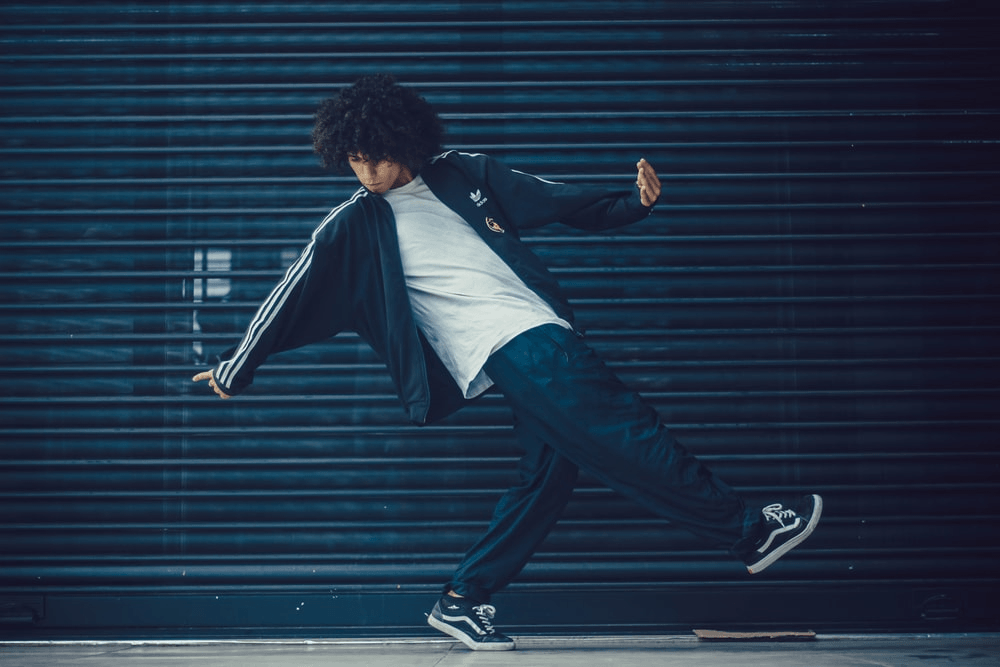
(967, 650)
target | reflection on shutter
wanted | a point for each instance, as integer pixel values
(815, 306)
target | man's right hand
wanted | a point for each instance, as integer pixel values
(210, 376)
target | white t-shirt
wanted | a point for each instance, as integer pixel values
(465, 299)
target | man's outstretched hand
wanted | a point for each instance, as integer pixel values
(210, 376)
(647, 182)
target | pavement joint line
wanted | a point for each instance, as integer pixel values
(632, 640)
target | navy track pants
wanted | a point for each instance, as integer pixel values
(571, 412)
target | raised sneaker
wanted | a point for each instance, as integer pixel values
(469, 622)
(784, 529)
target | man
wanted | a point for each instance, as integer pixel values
(426, 264)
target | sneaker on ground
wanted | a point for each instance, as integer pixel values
(784, 529)
(470, 623)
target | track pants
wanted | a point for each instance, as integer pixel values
(571, 413)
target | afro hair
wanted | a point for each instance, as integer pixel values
(378, 119)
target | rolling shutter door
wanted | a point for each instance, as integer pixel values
(813, 307)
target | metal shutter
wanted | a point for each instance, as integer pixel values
(814, 307)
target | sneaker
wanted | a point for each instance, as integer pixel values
(470, 623)
(784, 530)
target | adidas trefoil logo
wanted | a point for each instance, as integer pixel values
(478, 198)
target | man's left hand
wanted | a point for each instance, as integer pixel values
(647, 182)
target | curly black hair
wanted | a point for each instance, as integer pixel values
(379, 119)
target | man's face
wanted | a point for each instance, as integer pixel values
(379, 177)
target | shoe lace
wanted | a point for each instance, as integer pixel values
(486, 612)
(777, 513)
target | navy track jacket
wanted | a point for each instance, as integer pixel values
(350, 277)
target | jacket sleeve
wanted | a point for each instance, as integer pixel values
(310, 304)
(531, 201)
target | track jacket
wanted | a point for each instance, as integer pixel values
(350, 277)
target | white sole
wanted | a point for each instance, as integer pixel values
(465, 639)
(763, 564)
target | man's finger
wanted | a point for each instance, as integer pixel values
(647, 192)
(206, 375)
(648, 174)
(652, 183)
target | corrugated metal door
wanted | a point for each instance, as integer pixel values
(815, 307)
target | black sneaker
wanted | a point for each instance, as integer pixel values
(470, 623)
(784, 529)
